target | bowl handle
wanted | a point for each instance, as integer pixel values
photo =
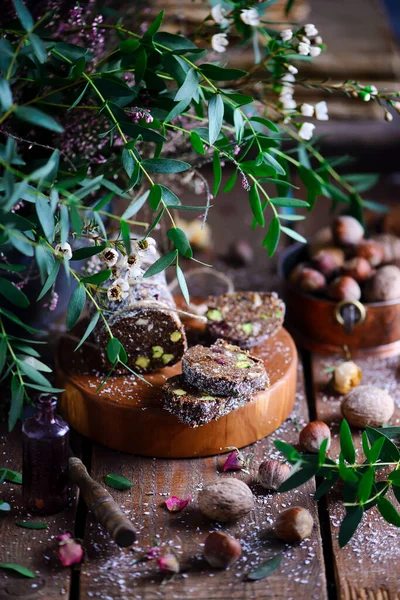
(349, 314)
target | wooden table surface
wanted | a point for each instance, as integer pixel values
(368, 568)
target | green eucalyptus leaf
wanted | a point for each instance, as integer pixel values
(180, 241)
(3, 353)
(271, 240)
(46, 218)
(129, 45)
(32, 525)
(231, 182)
(269, 124)
(18, 321)
(38, 47)
(24, 15)
(155, 26)
(169, 198)
(17, 402)
(87, 252)
(272, 162)
(182, 284)
(18, 568)
(255, 204)
(114, 349)
(161, 264)
(126, 235)
(33, 374)
(97, 278)
(6, 98)
(288, 451)
(298, 478)
(389, 451)
(346, 443)
(75, 306)
(293, 234)
(215, 116)
(176, 43)
(118, 482)
(13, 294)
(135, 206)
(190, 87)
(266, 568)
(196, 143)
(155, 196)
(36, 117)
(11, 476)
(89, 329)
(289, 202)
(350, 523)
(221, 73)
(325, 486)
(388, 511)
(4, 506)
(165, 165)
(365, 485)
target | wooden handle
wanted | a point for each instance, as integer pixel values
(102, 504)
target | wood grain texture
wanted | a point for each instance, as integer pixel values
(140, 424)
(112, 573)
(368, 568)
(34, 549)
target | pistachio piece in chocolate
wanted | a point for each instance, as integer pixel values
(158, 351)
(175, 336)
(142, 362)
(247, 328)
(214, 315)
(166, 358)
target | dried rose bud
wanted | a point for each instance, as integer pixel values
(221, 550)
(235, 462)
(272, 473)
(175, 504)
(312, 436)
(344, 288)
(168, 563)
(346, 376)
(70, 552)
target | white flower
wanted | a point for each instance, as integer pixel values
(321, 111)
(288, 101)
(135, 275)
(116, 272)
(388, 116)
(218, 14)
(396, 106)
(303, 48)
(372, 90)
(306, 131)
(307, 110)
(109, 256)
(286, 35)
(63, 251)
(305, 40)
(293, 70)
(311, 30)
(250, 17)
(219, 42)
(118, 290)
(315, 51)
(318, 40)
(288, 77)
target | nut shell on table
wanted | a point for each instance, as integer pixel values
(371, 250)
(227, 500)
(311, 280)
(367, 405)
(384, 285)
(294, 524)
(346, 376)
(221, 550)
(347, 231)
(358, 268)
(344, 288)
(312, 436)
(272, 473)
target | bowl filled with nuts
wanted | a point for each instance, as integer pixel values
(343, 289)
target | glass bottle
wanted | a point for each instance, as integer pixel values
(45, 439)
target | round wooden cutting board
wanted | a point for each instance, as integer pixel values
(127, 415)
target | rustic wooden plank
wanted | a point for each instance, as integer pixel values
(369, 566)
(33, 549)
(116, 574)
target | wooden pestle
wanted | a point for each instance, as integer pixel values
(102, 504)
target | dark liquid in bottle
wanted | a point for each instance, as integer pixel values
(45, 459)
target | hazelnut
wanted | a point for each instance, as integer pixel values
(390, 245)
(346, 376)
(344, 288)
(272, 473)
(321, 239)
(311, 280)
(358, 268)
(227, 500)
(312, 436)
(296, 272)
(328, 261)
(371, 250)
(294, 524)
(221, 550)
(347, 231)
(367, 405)
(384, 285)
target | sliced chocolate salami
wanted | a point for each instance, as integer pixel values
(224, 370)
(245, 318)
(194, 407)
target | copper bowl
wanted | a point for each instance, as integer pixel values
(329, 327)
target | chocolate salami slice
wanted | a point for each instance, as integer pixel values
(245, 318)
(145, 321)
(224, 370)
(194, 407)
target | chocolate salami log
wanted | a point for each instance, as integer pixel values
(152, 334)
(224, 370)
(196, 408)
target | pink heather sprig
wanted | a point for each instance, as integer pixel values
(140, 113)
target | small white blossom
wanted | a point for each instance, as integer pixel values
(288, 102)
(63, 251)
(388, 116)
(109, 256)
(218, 14)
(321, 111)
(315, 51)
(307, 110)
(116, 272)
(372, 90)
(396, 106)
(303, 49)
(118, 290)
(286, 35)
(250, 17)
(311, 30)
(318, 40)
(365, 96)
(293, 70)
(219, 42)
(135, 275)
(288, 78)
(306, 131)
(304, 39)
